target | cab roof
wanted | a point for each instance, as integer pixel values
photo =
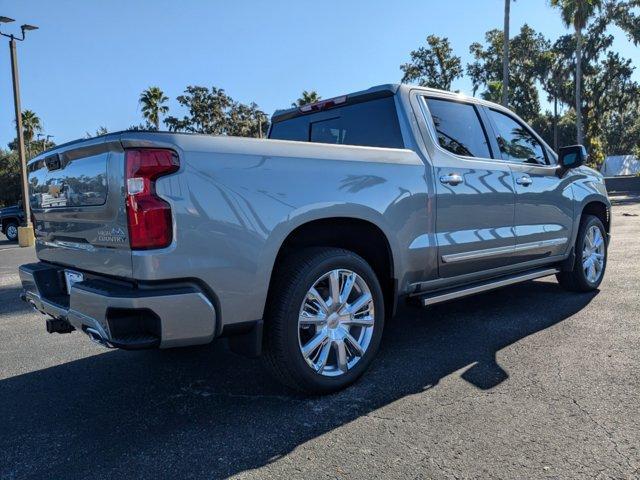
(378, 91)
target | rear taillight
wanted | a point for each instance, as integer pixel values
(148, 216)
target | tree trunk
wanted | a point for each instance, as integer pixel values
(505, 55)
(579, 137)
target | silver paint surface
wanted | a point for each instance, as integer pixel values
(235, 200)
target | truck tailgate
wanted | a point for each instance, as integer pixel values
(78, 204)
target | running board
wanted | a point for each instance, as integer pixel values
(451, 293)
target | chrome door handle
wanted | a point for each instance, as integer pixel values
(451, 179)
(525, 181)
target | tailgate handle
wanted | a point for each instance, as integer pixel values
(53, 162)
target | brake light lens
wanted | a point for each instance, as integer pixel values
(148, 216)
(323, 104)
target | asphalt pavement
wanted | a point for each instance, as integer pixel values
(525, 382)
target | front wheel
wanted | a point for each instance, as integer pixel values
(324, 320)
(11, 231)
(591, 257)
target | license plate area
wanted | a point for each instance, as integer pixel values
(71, 277)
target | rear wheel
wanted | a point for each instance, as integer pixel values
(11, 231)
(591, 257)
(324, 320)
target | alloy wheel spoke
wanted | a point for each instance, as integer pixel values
(309, 319)
(348, 338)
(598, 265)
(342, 355)
(314, 343)
(363, 300)
(589, 239)
(359, 322)
(334, 287)
(347, 287)
(597, 238)
(592, 272)
(314, 295)
(323, 357)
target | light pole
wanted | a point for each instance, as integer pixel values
(25, 234)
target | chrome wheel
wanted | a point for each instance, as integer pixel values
(593, 254)
(335, 322)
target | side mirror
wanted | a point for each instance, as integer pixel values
(572, 156)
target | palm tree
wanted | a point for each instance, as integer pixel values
(577, 13)
(307, 97)
(505, 54)
(152, 100)
(31, 124)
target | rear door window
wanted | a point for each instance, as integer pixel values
(458, 128)
(372, 123)
(516, 142)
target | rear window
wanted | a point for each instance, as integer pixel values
(81, 182)
(372, 123)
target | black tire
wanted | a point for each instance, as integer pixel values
(576, 280)
(11, 231)
(294, 278)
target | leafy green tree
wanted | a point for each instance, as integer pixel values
(623, 15)
(247, 121)
(10, 192)
(433, 66)
(494, 92)
(528, 64)
(562, 127)
(609, 93)
(577, 13)
(101, 130)
(152, 101)
(306, 98)
(214, 112)
(208, 110)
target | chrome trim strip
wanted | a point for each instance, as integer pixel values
(493, 252)
(474, 254)
(443, 297)
(541, 244)
(69, 245)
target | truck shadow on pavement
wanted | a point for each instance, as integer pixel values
(9, 301)
(204, 412)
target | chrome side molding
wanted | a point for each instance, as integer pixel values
(495, 252)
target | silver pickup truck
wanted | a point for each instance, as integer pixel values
(298, 247)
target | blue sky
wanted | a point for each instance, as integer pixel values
(90, 60)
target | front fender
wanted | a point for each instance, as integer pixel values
(588, 186)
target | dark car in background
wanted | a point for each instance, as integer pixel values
(10, 218)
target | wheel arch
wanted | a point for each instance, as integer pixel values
(363, 237)
(599, 209)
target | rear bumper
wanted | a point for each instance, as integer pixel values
(120, 314)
